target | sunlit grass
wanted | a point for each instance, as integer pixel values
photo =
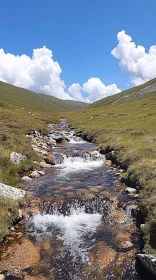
(130, 129)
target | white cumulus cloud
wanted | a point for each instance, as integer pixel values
(39, 73)
(94, 90)
(42, 74)
(134, 59)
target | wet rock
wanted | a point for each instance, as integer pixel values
(57, 138)
(126, 244)
(11, 192)
(110, 156)
(16, 158)
(42, 173)
(130, 190)
(108, 163)
(49, 159)
(34, 174)
(44, 164)
(26, 179)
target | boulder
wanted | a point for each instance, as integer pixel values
(26, 179)
(11, 192)
(49, 159)
(16, 158)
(2, 277)
(34, 174)
(130, 190)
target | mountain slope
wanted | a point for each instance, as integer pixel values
(127, 95)
(30, 100)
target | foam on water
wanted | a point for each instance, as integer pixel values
(71, 229)
(76, 140)
(73, 164)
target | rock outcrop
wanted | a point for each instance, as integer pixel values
(11, 192)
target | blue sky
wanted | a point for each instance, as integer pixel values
(81, 35)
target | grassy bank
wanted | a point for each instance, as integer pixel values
(128, 127)
(21, 112)
(15, 123)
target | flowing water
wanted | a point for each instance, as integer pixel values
(80, 230)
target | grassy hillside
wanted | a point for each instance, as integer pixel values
(32, 101)
(126, 122)
(127, 95)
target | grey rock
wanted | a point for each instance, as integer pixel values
(11, 192)
(34, 174)
(26, 179)
(16, 158)
(130, 190)
(45, 165)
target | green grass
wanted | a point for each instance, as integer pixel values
(8, 214)
(31, 101)
(128, 127)
(23, 111)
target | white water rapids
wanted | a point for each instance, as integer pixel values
(71, 229)
(76, 229)
(77, 163)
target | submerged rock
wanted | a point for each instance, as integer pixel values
(16, 158)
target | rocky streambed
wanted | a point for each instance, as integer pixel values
(78, 222)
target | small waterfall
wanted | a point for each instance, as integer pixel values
(74, 222)
(80, 161)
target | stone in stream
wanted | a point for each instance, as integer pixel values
(34, 174)
(44, 164)
(126, 244)
(49, 159)
(41, 172)
(26, 179)
(16, 158)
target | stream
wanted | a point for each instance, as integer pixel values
(80, 231)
